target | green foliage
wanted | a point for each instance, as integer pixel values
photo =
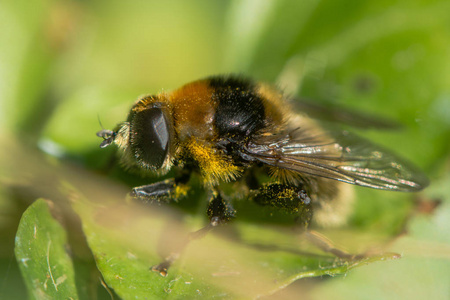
(125, 243)
(64, 64)
(41, 254)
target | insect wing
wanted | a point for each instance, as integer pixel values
(340, 156)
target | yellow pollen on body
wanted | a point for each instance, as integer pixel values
(213, 166)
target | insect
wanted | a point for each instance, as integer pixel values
(232, 129)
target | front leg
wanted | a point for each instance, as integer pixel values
(165, 191)
(155, 193)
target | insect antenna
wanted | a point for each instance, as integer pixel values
(107, 135)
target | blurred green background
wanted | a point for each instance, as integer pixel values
(64, 64)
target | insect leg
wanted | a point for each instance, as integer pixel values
(219, 212)
(326, 245)
(163, 191)
(155, 193)
(296, 200)
(292, 199)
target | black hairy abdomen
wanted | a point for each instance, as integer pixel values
(240, 110)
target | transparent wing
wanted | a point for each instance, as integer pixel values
(340, 156)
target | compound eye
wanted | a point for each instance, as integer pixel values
(150, 137)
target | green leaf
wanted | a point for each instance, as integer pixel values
(123, 243)
(379, 57)
(42, 255)
(126, 241)
(424, 270)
